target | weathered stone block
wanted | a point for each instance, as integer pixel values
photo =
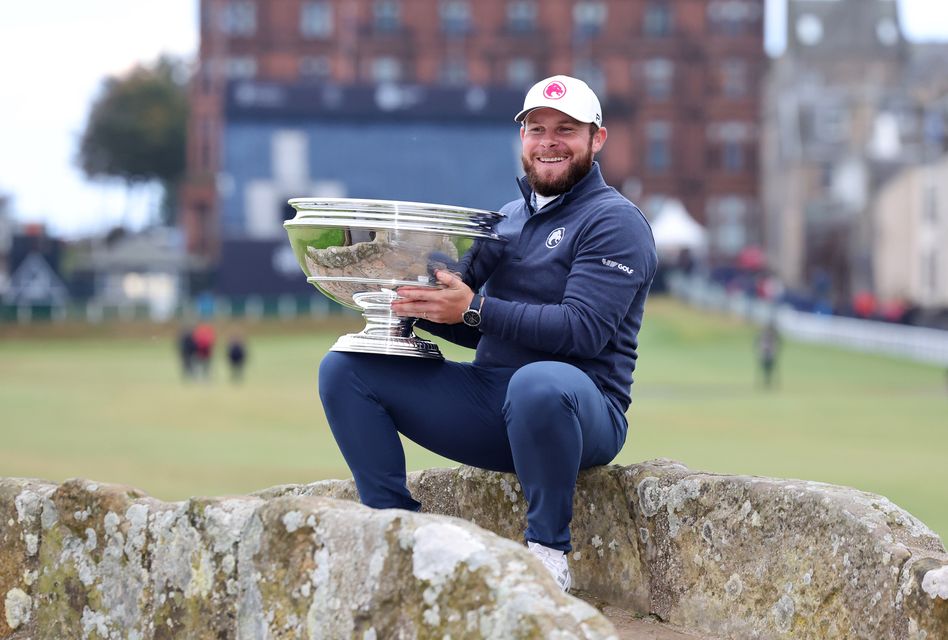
(339, 570)
(734, 556)
(731, 556)
(747, 557)
(21, 507)
(99, 561)
(93, 571)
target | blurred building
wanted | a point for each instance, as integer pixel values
(848, 107)
(910, 244)
(6, 241)
(35, 270)
(253, 265)
(414, 99)
(146, 269)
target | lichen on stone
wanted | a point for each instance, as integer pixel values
(783, 612)
(17, 606)
(935, 583)
(439, 548)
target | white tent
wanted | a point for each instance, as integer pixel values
(675, 230)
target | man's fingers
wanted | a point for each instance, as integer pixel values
(447, 278)
(407, 294)
(410, 310)
(445, 303)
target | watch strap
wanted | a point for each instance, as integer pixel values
(476, 303)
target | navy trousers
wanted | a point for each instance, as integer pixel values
(544, 421)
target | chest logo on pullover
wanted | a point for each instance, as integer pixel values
(555, 236)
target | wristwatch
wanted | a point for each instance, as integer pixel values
(472, 317)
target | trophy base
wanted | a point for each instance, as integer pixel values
(385, 333)
(410, 346)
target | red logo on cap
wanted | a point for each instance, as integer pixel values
(554, 91)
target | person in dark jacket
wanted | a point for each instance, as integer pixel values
(236, 358)
(768, 346)
(554, 314)
(187, 351)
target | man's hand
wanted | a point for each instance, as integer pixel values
(445, 305)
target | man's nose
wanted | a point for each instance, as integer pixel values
(549, 139)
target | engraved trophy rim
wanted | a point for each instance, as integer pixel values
(368, 213)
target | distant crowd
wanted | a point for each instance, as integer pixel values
(196, 346)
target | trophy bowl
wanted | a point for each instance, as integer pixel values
(358, 252)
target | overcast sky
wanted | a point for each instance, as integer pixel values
(55, 54)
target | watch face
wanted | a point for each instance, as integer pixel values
(471, 317)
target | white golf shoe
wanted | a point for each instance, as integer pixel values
(555, 562)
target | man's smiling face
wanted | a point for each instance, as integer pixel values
(557, 150)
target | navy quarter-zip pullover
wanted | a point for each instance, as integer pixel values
(568, 285)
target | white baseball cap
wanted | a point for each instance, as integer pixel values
(569, 95)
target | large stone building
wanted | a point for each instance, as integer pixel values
(415, 98)
(850, 105)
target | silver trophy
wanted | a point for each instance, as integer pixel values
(358, 252)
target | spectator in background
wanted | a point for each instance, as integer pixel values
(768, 344)
(187, 351)
(236, 357)
(865, 305)
(686, 261)
(203, 348)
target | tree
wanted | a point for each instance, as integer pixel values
(136, 130)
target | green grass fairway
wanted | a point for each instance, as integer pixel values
(114, 409)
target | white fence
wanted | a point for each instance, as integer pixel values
(250, 307)
(915, 343)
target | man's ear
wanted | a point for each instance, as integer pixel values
(599, 139)
(523, 130)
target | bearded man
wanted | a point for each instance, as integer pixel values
(554, 314)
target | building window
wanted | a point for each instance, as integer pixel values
(728, 145)
(732, 156)
(316, 19)
(734, 83)
(387, 15)
(659, 74)
(238, 18)
(830, 122)
(385, 69)
(240, 67)
(455, 16)
(930, 271)
(930, 205)
(521, 73)
(521, 15)
(658, 146)
(658, 19)
(206, 76)
(454, 72)
(592, 74)
(207, 131)
(589, 17)
(315, 67)
(733, 17)
(728, 223)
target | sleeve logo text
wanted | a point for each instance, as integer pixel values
(618, 265)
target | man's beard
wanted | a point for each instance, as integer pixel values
(579, 166)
